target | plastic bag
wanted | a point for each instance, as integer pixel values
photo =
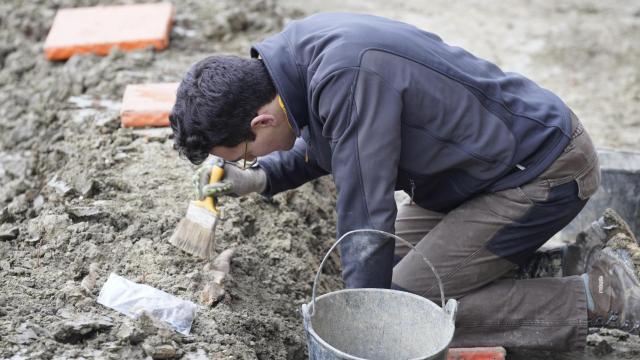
(132, 299)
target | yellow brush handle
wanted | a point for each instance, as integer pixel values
(209, 203)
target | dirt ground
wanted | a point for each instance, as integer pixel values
(78, 192)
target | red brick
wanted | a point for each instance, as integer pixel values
(147, 105)
(479, 353)
(100, 28)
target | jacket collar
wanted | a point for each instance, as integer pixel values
(286, 77)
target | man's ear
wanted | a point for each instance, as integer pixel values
(263, 120)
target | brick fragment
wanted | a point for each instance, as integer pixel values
(100, 28)
(147, 105)
(479, 353)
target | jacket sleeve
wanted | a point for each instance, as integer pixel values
(362, 116)
(289, 169)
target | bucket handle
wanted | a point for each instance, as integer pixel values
(450, 308)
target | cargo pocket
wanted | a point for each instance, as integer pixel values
(589, 181)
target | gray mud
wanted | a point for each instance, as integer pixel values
(77, 192)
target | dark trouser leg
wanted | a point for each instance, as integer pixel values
(477, 244)
(412, 224)
(546, 313)
(480, 241)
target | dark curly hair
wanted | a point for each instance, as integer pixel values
(215, 103)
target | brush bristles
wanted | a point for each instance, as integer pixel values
(194, 239)
(201, 216)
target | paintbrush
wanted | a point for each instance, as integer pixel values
(195, 233)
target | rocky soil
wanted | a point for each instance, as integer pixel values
(81, 197)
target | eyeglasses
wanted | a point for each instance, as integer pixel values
(244, 158)
(242, 163)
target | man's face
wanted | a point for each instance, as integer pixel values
(236, 153)
(272, 133)
(267, 141)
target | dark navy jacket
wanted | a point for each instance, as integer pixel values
(384, 106)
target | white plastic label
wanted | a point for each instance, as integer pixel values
(132, 299)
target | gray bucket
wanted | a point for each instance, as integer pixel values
(619, 190)
(377, 324)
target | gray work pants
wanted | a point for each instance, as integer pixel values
(475, 245)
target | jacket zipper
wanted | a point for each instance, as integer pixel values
(413, 188)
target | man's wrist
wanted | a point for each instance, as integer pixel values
(260, 179)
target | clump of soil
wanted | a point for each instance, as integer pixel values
(81, 198)
(622, 240)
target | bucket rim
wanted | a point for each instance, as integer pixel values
(311, 332)
(399, 292)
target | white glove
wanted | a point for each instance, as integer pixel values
(235, 181)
